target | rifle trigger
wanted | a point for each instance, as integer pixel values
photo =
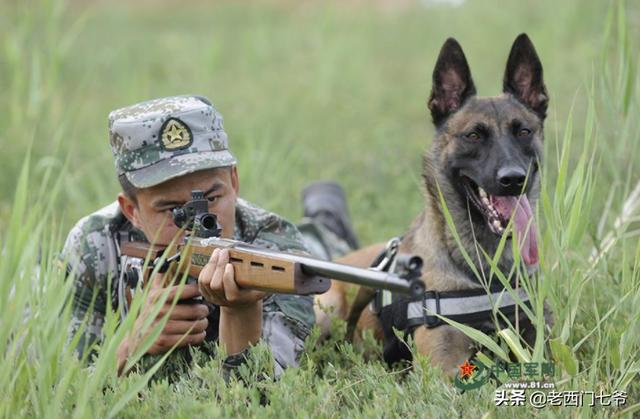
(165, 266)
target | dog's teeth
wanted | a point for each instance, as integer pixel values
(483, 194)
(496, 224)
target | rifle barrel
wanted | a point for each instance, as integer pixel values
(367, 277)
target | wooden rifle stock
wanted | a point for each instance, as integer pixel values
(275, 271)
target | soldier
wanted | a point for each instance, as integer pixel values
(163, 149)
(326, 226)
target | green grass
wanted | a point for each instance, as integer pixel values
(314, 91)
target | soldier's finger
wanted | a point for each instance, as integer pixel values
(217, 296)
(180, 327)
(223, 261)
(236, 295)
(169, 341)
(231, 290)
(208, 294)
(207, 272)
(224, 257)
(168, 294)
(205, 291)
(157, 281)
(193, 339)
(215, 299)
(217, 285)
(185, 311)
(188, 291)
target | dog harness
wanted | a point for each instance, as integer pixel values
(475, 308)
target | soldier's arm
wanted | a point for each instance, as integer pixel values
(240, 309)
(287, 319)
(282, 321)
(89, 293)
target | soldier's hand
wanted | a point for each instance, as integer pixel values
(186, 323)
(241, 309)
(218, 285)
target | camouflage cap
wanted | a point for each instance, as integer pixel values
(161, 139)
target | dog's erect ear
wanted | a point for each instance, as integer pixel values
(452, 83)
(523, 76)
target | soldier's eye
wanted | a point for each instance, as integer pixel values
(474, 136)
(524, 132)
(212, 198)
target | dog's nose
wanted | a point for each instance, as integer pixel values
(511, 176)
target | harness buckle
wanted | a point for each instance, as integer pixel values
(431, 320)
(384, 262)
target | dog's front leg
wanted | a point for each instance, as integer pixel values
(447, 347)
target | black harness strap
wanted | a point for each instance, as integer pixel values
(394, 316)
(474, 308)
(471, 307)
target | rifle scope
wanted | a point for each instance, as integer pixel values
(194, 216)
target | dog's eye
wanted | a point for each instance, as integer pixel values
(474, 136)
(524, 132)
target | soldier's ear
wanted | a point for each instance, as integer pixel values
(235, 180)
(452, 82)
(129, 209)
(523, 76)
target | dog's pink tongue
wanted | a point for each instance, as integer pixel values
(519, 208)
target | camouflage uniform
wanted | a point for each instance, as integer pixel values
(152, 142)
(321, 242)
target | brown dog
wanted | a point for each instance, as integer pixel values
(484, 164)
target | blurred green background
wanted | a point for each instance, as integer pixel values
(316, 90)
(309, 90)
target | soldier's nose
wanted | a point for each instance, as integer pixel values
(511, 176)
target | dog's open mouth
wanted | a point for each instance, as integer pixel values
(499, 210)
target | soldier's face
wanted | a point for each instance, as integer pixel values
(152, 212)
